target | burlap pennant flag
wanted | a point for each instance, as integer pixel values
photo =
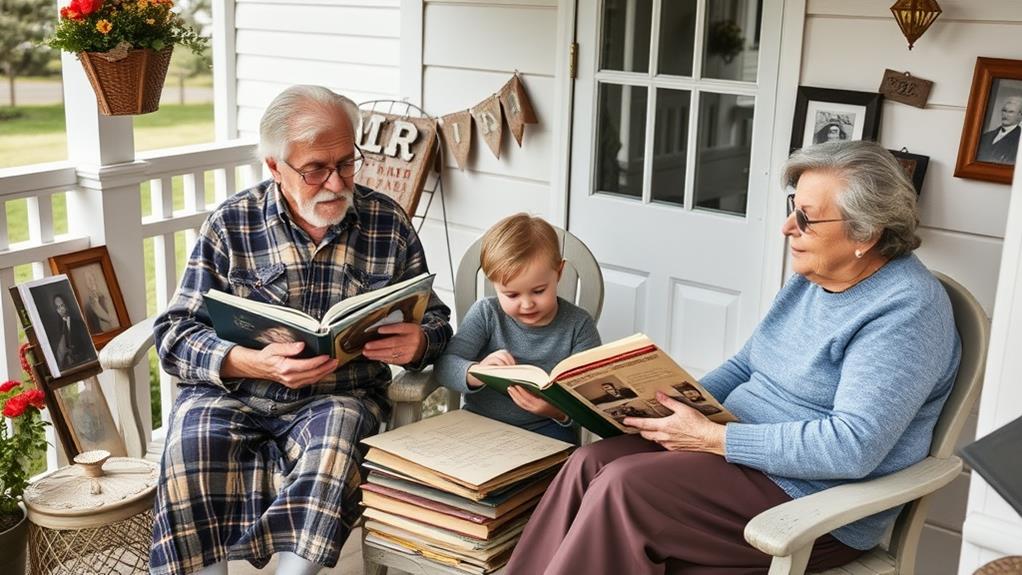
(487, 116)
(457, 131)
(517, 107)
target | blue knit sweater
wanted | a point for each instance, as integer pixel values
(836, 387)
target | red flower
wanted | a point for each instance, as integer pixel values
(86, 7)
(35, 398)
(9, 385)
(16, 405)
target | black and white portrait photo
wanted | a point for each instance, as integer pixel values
(59, 324)
(605, 390)
(826, 115)
(998, 144)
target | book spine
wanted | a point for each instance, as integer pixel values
(562, 400)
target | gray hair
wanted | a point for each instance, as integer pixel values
(296, 115)
(877, 198)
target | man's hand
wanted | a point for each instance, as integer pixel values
(499, 357)
(406, 344)
(685, 430)
(276, 362)
(533, 404)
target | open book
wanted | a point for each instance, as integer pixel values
(345, 328)
(600, 387)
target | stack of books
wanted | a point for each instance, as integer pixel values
(456, 489)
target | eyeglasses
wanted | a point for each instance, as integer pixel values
(346, 169)
(802, 221)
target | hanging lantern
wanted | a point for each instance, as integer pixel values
(914, 17)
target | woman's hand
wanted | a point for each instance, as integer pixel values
(685, 430)
(533, 404)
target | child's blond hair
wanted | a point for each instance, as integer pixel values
(514, 242)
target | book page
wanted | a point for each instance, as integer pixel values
(348, 305)
(467, 446)
(529, 374)
(627, 387)
(602, 352)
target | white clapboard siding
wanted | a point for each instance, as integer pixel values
(847, 45)
(350, 46)
(470, 49)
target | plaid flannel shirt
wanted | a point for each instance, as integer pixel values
(251, 247)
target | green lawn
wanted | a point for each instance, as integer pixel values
(35, 134)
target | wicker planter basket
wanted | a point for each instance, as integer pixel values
(131, 85)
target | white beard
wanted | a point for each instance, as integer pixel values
(307, 210)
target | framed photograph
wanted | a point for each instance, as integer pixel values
(95, 285)
(84, 414)
(991, 131)
(914, 165)
(55, 327)
(823, 115)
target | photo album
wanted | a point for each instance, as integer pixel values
(602, 386)
(341, 333)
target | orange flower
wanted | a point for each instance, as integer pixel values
(69, 13)
(143, 3)
(150, 21)
(104, 26)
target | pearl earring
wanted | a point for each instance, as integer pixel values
(858, 254)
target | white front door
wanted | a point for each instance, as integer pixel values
(670, 166)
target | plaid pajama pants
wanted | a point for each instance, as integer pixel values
(245, 477)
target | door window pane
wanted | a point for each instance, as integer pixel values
(722, 154)
(626, 28)
(732, 39)
(670, 143)
(677, 37)
(620, 139)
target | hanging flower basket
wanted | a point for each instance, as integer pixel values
(125, 47)
(129, 82)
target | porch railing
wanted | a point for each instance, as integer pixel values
(177, 179)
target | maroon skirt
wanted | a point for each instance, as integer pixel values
(626, 505)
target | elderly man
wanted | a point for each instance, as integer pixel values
(262, 451)
(1000, 145)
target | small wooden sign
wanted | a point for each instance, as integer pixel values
(398, 156)
(457, 131)
(905, 88)
(487, 116)
(517, 107)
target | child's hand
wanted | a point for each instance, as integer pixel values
(533, 404)
(499, 357)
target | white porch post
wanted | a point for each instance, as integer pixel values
(106, 207)
(992, 528)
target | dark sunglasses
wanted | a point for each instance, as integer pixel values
(801, 220)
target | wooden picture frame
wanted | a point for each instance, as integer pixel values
(95, 285)
(995, 102)
(825, 113)
(915, 166)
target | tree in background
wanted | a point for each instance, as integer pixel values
(23, 25)
(199, 15)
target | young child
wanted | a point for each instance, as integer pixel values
(525, 323)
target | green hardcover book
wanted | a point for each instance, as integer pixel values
(602, 386)
(344, 329)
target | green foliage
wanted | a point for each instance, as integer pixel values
(24, 24)
(102, 25)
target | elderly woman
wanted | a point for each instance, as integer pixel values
(843, 380)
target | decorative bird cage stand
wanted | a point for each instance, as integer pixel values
(92, 517)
